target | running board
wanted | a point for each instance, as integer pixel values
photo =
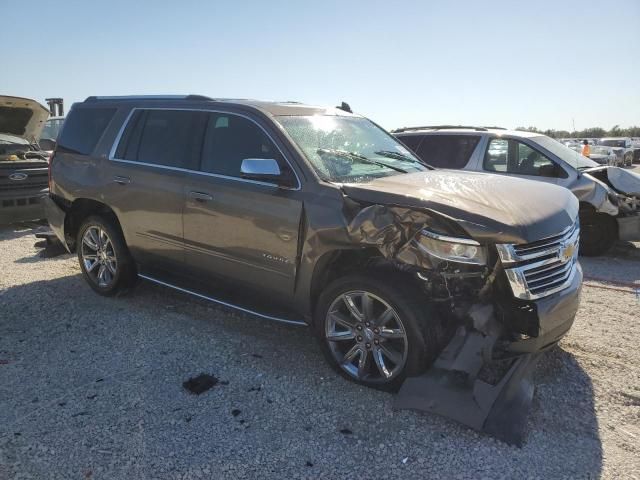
(300, 323)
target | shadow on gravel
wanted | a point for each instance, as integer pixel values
(625, 249)
(10, 232)
(564, 411)
(171, 336)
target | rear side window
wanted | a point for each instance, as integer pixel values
(83, 129)
(229, 139)
(162, 137)
(447, 151)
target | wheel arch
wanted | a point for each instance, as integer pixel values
(340, 262)
(79, 210)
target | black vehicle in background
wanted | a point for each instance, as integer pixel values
(23, 164)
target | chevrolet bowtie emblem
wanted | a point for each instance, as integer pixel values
(566, 252)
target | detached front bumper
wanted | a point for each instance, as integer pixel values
(556, 314)
(484, 381)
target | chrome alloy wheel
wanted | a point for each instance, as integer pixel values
(366, 336)
(98, 256)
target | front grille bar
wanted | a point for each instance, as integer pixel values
(544, 267)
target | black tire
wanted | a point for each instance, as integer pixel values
(598, 233)
(125, 271)
(423, 327)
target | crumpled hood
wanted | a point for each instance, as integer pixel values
(624, 181)
(491, 208)
(22, 117)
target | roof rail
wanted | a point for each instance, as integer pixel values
(445, 127)
(95, 98)
(438, 127)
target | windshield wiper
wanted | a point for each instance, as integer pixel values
(358, 157)
(401, 156)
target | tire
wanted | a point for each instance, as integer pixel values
(598, 232)
(112, 256)
(414, 317)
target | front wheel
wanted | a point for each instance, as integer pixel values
(376, 331)
(598, 232)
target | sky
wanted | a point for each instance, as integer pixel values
(550, 64)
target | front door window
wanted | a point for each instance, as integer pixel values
(518, 158)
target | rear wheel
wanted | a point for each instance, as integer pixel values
(376, 331)
(104, 257)
(598, 232)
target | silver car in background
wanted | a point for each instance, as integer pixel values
(609, 196)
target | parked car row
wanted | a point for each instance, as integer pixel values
(627, 150)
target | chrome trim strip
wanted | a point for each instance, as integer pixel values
(524, 287)
(116, 143)
(445, 238)
(508, 252)
(226, 304)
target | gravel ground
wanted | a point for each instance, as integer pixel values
(91, 388)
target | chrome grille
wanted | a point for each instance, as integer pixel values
(543, 267)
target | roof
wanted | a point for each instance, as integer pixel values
(286, 108)
(445, 129)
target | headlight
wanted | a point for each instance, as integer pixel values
(452, 249)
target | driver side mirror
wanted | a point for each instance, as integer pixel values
(265, 170)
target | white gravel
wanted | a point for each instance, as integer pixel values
(91, 388)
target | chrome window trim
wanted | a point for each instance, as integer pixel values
(116, 143)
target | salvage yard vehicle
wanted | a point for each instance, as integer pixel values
(411, 277)
(609, 196)
(623, 144)
(23, 164)
(601, 155)
(47, 139)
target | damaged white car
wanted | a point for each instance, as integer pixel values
(609, 196)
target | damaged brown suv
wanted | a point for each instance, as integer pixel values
(319, 217)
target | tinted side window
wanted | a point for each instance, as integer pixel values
(495, 160)
(411, 141)
(229, 139)
(511, 156)
(84, 127)
(447, 151)
(162, 137)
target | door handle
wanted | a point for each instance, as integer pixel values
(200, 196)
(121, 180)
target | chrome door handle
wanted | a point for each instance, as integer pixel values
(200, 196)
(121, 180)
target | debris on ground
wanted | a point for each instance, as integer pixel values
(200, 384)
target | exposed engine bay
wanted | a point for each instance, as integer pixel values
(482, 376)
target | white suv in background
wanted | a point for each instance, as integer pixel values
(609, 196)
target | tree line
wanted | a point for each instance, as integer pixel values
(593, 132)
